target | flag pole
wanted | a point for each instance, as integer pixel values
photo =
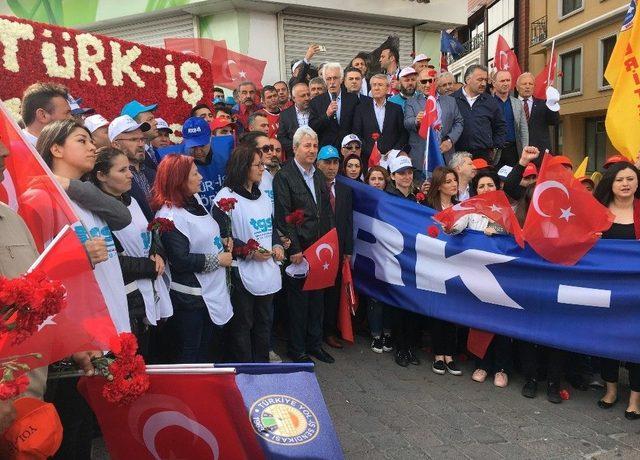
(553, 46)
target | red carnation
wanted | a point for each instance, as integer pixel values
(420, 197)
(564, 394)
(295, 218)
(253, 245)
(433, 231)
(226, 204)
(12, 388)
(161, 225)
(375, 136)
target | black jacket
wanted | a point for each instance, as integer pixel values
(392, 190)
(291, 193)
(393, 135)
(287, 128)
(344, 217)
(484, 125)
(329, 131)
(540, 119)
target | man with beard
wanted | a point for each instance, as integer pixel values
(127, 135)
(144, 114)
(246, 104)
(408, 80)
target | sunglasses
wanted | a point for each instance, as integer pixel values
(265, 148)
(352, 147)
(428, 80)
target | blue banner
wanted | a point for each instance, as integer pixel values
(287, 411)
(490, 283)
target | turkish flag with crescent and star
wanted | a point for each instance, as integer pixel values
(430, 109)
(564, 219)
(506, 59)
(324, 262)
(495, 205)
(194, 416)
(229, 68)
(545, 78)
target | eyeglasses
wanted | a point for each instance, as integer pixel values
(427, 80)
(258, 165)
(265, 148)
(352, 147)
(137, 140)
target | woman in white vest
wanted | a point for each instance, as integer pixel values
(147, 291)
(67, 148)
(255, 275)
(197, 256)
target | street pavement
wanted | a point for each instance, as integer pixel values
(383, 411)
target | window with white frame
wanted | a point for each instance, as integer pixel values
(569, 6)
(571, 65)
(606, 49)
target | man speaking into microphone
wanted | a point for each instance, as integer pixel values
(331, 113)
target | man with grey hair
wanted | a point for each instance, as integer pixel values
(317, 86)
(294, 117)
(446, 82)
(516, 128)
(484, 129)
(246, 105)
(462, 164)
(332, 112)
(300, 186)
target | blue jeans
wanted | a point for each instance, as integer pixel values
(195, 332)
(379, 317)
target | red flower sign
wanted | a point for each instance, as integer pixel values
(295, 218)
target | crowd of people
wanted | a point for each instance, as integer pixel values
(213, 287)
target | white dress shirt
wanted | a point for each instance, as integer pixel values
(470, 99)
(380, 111)
(529, 102)
(303, 118)
(308, 178)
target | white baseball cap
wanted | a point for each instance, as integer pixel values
(125, 124)
(350, 138)
(162, 124)
(94, 122)
(421, 57)
(400, 163)
(388, 158)
(408, 71)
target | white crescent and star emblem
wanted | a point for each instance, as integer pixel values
(495, 208)
(47, 322)
(459, 207)
(319, 250)
(164, 419)
(504, 63)
(541, 188)
(227, 68)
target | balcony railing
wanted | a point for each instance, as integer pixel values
(470, 45)
(538, 31)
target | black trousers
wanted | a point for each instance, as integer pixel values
(406, 328)
(331, 300)
(609, 372)
(499, 356)
(443, 337)
(532, 355)
(510, 155)
(250, 327)
(305, 317)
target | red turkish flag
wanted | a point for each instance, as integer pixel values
(430, 109)
(506, 59)
(229, 67)
(495, 205)
(478, 341)
(191, 416)
(545, 78)
(324, 262)
(85, 323)
(274, 123)
(375, 156)
(564, 219)
(348, 303)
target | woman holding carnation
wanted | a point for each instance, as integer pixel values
(141, 260)
(352, 167)
(197, 257)
(255, 276)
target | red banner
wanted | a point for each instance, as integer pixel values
(106, 72)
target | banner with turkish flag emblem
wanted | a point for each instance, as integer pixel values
(564, 220)
(495, 205)
(182, 415)
(506, 59)
(324, 262)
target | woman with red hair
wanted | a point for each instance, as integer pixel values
(197, 258)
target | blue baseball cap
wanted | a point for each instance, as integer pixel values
(328, 152)
(135, 108)
(196, 132)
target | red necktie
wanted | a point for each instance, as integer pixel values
(525, 104)
(332, 197)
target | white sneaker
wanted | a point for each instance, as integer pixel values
(274, 357)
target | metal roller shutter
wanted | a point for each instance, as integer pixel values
(343, 38)
(153, 31)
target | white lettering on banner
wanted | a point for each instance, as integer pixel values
(12, 32)
(121, 64)
(389, 243)
(187, 69)
(433, 269)
(50, 59)
(588, 297)
(89, 61)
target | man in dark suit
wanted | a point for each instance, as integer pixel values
(375, 115)
(332, 112)
(295, 116)
(340, 198)
(538, 115)
(299, 185)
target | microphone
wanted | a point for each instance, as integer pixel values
(334, 97)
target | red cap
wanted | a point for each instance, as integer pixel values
(561, 159)
(615, 159)
(218, 123)
(530, 170)
(480, 163)
(586, 179)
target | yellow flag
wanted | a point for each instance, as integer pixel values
(623, 73)
(582, 169)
